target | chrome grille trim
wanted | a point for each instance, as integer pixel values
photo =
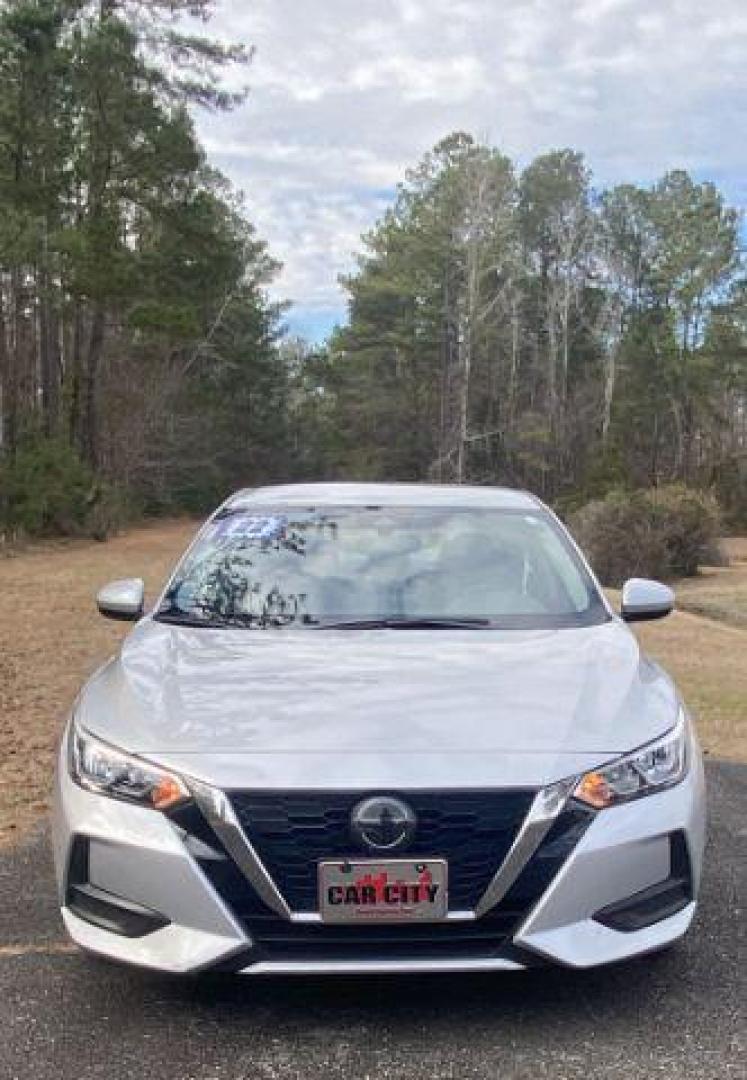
(544, 810)
(216, 806)
(546, 807)
(376, 967)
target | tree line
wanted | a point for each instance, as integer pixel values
(521, 326)
(504, 325)
(137, 345)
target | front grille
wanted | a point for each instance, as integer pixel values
(276, 938)
(279, 939)
(293, 831)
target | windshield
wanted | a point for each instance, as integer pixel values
(391, 565)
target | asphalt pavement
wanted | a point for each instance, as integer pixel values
(680, 1014)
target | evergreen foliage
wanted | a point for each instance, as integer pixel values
(505, 325)
(132, 287)
(521, 328)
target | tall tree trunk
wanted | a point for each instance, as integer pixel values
(445, 364)
(8, 385)
(565, 320)
(48, 356)
(16, 350)
(688, 440)
(465, 375)
(514, 372)
(75, 368)
(610, 379)
(90, 438)
(552, 366)
(654, 468)
(466, 342)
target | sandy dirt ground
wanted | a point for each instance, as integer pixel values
(51, 638)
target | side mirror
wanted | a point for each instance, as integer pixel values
(643, 599)
(122, 599)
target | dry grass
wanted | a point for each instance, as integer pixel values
(51, 638)
(708, 659)
(719, 592)
(736, 548)
(704, 645)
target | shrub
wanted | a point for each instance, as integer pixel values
(729, 479)
(48, 491)
(659, 532)
(110, 509)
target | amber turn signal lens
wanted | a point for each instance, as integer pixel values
(168, 792)
(594, 790)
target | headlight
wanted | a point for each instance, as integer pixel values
(99, 767)
(658, 765)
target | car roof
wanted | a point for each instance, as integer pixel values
(349, 494)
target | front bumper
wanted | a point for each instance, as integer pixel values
(141, 856)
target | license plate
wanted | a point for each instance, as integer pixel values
(394, 890)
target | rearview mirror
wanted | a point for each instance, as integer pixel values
(643, 599)
(122, 599)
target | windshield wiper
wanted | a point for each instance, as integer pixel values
(405, 623)
(183, 618)
(178, 617)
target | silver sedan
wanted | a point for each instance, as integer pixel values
(372, 728)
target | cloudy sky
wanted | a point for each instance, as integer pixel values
(346, 94)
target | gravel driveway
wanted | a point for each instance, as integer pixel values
(681, 1014)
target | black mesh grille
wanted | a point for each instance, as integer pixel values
(292, 831)
(559, 842)
(480, 938)
(276, 938)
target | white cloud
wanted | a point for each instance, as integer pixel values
(345, 96)
(453, 79)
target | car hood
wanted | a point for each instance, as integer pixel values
(378, 708)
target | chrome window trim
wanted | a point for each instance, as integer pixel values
(544, 810)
